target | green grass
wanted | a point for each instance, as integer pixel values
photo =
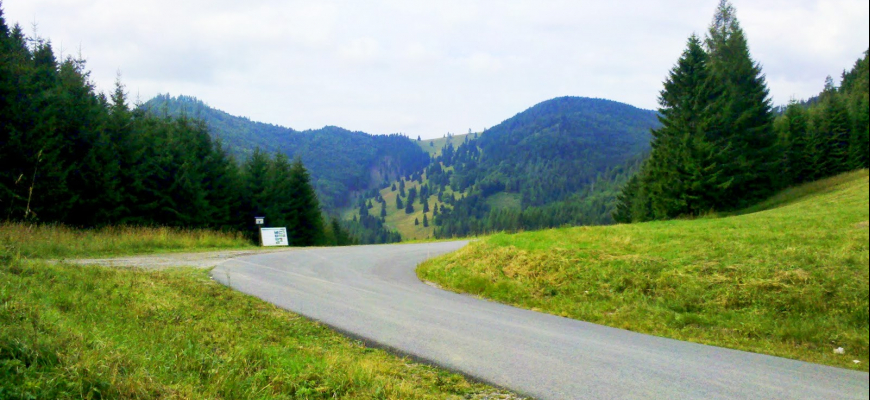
(787, 278)
(434, 146)
(56, 241)
(69, 332)
(503, 200)
(397, 218)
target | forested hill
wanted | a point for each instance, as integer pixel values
(553, 149)
(340, 161)
(561, 162)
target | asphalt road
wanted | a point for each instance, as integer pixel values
(372, 292)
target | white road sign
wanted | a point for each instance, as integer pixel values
(274, 236)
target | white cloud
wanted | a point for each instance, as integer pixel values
(424, 67)
(483, 63)
(361, 50)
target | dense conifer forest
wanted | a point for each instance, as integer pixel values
(564, 159)
(561, 162)
(73, 156)
(721, 147)
(341, 162)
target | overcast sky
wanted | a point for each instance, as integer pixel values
(427, 67)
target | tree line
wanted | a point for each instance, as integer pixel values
(73, 156)
(340, 161)
(721, 146)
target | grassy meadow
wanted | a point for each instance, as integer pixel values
(434, 146)
(788, 277)
(58, 242)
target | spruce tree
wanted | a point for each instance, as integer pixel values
(797, 142)
(254, 178)
(306, 209)
(280, 200)
(681, 176)
(741, 124)
(859, 141)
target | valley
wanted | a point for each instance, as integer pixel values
(715, 246)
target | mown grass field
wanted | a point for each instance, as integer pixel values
(787, 278)
(70, 332)
(57, 242)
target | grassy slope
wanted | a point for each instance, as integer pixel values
(790, 281)
(55, 241)
(71, 332)
(397, 219)
(434, 149)
(404, 223)
(89, 332)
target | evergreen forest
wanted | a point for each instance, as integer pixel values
(72, 156)
(341, 162)
(721, 146)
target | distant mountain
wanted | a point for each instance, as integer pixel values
(560, 162)
(340, 161)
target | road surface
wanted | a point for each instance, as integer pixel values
(372, 293)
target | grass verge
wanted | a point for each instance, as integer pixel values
(790, 281)
(91, 332)
(58, 242)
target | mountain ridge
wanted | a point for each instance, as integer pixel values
(340, 160)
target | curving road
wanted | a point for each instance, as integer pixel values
(372, 293)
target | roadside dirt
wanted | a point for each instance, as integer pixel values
(168, 260)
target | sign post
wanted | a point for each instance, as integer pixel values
(260, 221)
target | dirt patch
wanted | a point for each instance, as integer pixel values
(167, 260)
(862, 225)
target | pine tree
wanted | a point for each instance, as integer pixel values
(835, 127)
(416, 222)
(681, 175)
(425, 221)
(797, 139)
(859, 141)
(399, 204)
(384, 209)
(254, 177)
(409, 207)
(741, 124)
(306, 208)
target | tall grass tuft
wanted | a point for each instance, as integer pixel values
(58, 241)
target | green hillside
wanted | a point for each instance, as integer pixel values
(340, 161)
(790, 281)
(561, 162)
(433, 147)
